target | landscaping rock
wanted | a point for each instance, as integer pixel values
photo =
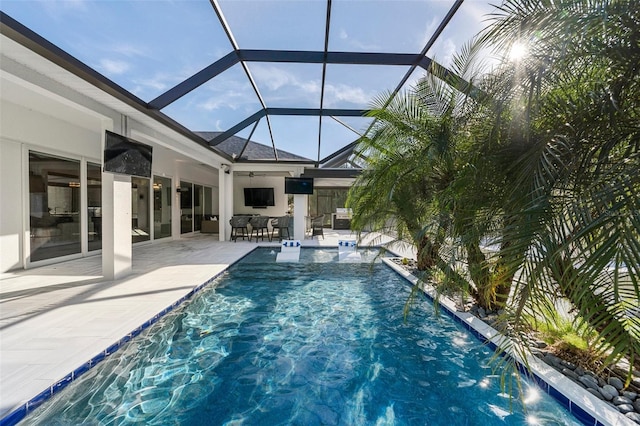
(595, 393)
(616, 383)
(621, 400)
(589, 381)
(633, 416)
(608, 386)
(608, 392)
(569, 373)
(552, 360)
(578, 382)
(625, 408)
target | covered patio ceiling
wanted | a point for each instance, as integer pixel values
(296, 76)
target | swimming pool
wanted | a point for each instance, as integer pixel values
(316, 342)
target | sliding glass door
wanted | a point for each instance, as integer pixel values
(94, 206)
(54, 206)
(186, 207)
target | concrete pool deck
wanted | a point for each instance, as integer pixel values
(55, 318)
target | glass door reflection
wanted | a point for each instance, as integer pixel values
(140, 210)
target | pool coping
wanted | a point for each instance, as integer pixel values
(585, 407)
(18, 414)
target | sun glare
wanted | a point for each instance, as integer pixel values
(533, 420)
(518, 51)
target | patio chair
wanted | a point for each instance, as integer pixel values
(317, 226)
(280, 224)
(239, 227)
(259, 224)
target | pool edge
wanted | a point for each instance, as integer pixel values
(585, 407)
(17, 414)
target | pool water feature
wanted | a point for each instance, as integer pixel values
(311, 343)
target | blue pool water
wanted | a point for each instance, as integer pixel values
(313, 343)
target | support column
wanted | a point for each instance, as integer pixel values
(299, 213)
(176, 210)
(116, 226)
(225, 201)
(229, 202)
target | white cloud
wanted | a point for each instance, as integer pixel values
(157, 83)
(288, 84)
(231, 99)
(213, 103)
(128, 50)
(430, 27)
(274, 78)
(345, 93)
(357, 44)
(113, 67)
(57, 9)
(448, 50)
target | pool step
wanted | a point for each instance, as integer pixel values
(347, 251)
(289, 251)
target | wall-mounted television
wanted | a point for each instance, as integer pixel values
(126, 156)
(259, 197)
(298, 185)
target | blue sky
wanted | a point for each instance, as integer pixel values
(148, 46)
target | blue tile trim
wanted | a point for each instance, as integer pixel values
(560, 397)
(15, 416)
(21, 412)
(581, 414)
(61, 384)
(578, 412)
(96, 359)
(111, 349)
(81, 370)
(37, 400)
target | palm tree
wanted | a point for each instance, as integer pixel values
(578, 190)
(545, 163)
(424, 177)
(394, 192)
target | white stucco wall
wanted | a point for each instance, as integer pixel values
(275, 182)
(10, 203)
(47, 123)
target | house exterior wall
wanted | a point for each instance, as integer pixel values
(40, 114)
(275, 182)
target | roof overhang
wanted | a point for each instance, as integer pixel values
(326, 173)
